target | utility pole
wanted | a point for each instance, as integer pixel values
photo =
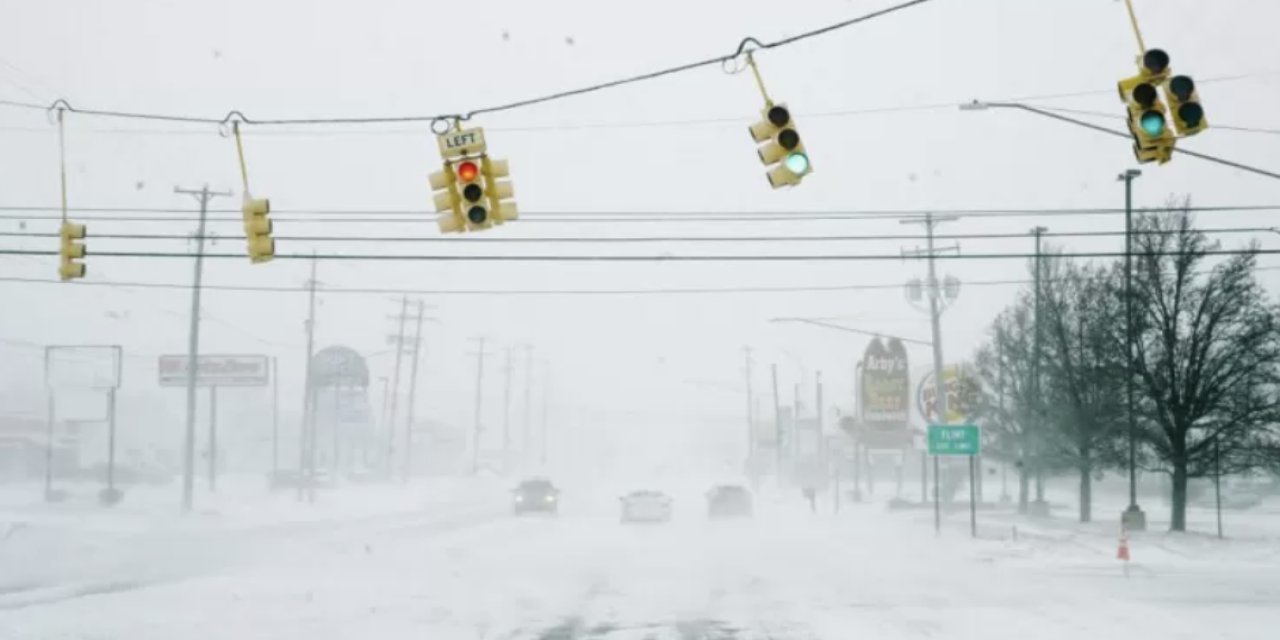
(413, 393)
(937, 303)
(751, 417)
(203, 196)
(476, 428)
(1133, 518)
(305, 475)
(213, 438)
(1036, 357)
(506, 405)
(398, 339)
(275, 420)
(777, 425)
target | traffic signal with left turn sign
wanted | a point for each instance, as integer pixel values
(473, 194)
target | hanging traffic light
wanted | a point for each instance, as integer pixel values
(257, 230)
(470, 193)
(71, 251)
(1147, 119)
(781, 147)
(1184, 104)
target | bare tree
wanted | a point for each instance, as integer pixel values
(1207, 354)
(1005, 404)
(1084, 372)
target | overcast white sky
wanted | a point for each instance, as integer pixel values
(608, 353)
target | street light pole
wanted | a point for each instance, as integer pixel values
(1133, 519)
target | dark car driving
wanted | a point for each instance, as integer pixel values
(727, 501)
(535, 495)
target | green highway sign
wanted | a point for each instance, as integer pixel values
(955, 440)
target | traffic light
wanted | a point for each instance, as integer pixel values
(781, 147)
(1147, 115)
(1184, 104)
(71, 251)
(1148, 123)
(470, 194)
(257, 230)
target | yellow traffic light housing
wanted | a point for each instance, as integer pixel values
(499, 190)
(71, 251)
(257, 230)
(782, 150)
(471, 194)
(447, 201)
(1184, 104)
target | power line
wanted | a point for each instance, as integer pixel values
(848, 257)
(371, 215)
(747, 45)
(717, 120)
(639, 239)
(519, 292)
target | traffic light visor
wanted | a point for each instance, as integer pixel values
(1182, 87)
(1155, 61)
(779, 116)
(1145, 95)
(1191, 113)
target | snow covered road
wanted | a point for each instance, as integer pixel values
(786, 574)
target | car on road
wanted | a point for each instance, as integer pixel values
(728, 501)
(535, 495)
(646, 506)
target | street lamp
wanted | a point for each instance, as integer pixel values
(1133, 519)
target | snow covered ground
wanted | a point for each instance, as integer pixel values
(466, 568)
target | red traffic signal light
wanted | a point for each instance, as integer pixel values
(468, 171)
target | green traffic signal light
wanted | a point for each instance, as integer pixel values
(1152, 123)
(797, 163)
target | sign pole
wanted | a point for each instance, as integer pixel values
(937, 506)
(213, 438)
(48, 451)
(973, 498)
(275, 420)
(111, 441)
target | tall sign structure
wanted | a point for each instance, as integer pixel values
(885, 395)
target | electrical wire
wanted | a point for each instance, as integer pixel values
(745, 46)
(849, 257)
(13, 212)
(483, 239)
(723, 120)
(381, 291)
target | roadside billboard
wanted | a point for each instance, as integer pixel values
(886, 386)
(961, 389)
(216, 371)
